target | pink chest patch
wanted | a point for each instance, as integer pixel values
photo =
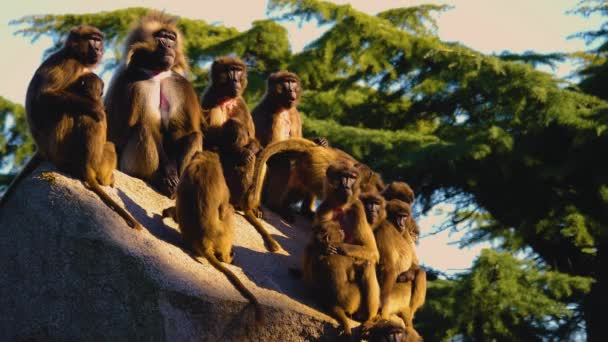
(228, 107)
(342, 218)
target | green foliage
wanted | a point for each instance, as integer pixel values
(505, 299)
(16, 144)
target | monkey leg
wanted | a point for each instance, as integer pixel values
(340, 315)
(370, 289)
(105, 171)
(277, 177)
(418, 291)
(140, 157)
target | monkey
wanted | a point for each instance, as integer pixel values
(276, 118)
(67, 118)
(399, 190)
(402, 281)
(153, 111)
(389, 331)
(237, 155)
(375, 211)
(309, 171)
(222, 99)
(341, 207)
(206, 218)
(402, 191)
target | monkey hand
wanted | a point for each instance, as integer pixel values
(97, 111)
(331, 249)
(169, 180)
(247, 156)
(406, 276)
(321, 141)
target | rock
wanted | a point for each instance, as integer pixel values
(73, 270)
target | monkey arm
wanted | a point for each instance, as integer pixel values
(358, 251)
(388, 278)
(74, 104)
(362, 232)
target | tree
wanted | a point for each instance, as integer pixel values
(518, 153)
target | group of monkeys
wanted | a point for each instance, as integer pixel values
(214, 156)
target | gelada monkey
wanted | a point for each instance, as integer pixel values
(276, 118)
(206, 217)
(402, 281)
(153, 111)
(308, 174)
(237, 154)
(223, 100)
(238, 161)
(341, 207)
(68, 120)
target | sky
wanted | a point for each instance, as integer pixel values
(488, 26)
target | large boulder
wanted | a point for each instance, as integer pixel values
(71, 269)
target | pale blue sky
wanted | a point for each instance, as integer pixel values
(489, 26)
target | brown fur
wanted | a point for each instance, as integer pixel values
(397, 260)
(399, 190)
(283, 92)
(341, 207)
(153, 111)
(308, 175)
(237, 154)
(403, 192)
(389, 331)
(276, 118)
(206, 217)
(375, 208)
(223, 100)
(67, 119)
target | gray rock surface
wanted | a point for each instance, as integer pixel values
(71, 269)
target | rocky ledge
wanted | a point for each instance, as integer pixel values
(73, 270)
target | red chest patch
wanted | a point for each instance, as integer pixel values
(228, 107)
(345, 224)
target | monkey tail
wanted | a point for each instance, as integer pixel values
(418, 291)
(91, 181)
(30, 166)
(259, 312)
(289, 145)
(271, 243)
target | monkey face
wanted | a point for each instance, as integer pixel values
(343, 182)
(166, 42)
(288, 91)
(400, 220)
(231, 80)
(373, 208)
(89, 85)
(86, 44)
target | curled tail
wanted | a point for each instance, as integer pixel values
(271, 243)
(418, 291)
(289, 145)
(259, 312)
(91, 181)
